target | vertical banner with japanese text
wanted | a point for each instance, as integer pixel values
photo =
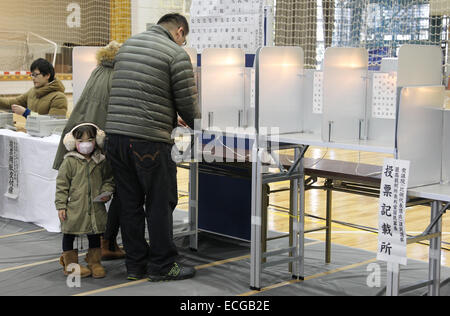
(391, 218)
(13, 169)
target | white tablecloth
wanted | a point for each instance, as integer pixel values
(36, 181)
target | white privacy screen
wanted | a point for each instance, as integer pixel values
(419, 65)
(84, 62)
(344, 88)
(280, 83)
(420, 133)
(223, 87)
(446, 148)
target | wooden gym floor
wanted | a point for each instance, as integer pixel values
(347, 208)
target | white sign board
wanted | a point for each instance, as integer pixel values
(227, 24)
(384, 99)
(391, 218)
(318, 92)
(13, 169)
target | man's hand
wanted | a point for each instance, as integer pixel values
(19, 110)
(62, 215)
(106, 198)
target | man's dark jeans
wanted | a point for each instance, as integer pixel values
(145, 174)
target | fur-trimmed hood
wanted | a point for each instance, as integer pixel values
(105, 55)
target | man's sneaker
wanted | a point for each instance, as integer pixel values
(176, 272)
(134, 276)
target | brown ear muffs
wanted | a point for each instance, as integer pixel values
(70, 142)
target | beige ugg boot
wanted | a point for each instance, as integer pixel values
(108, 254)
(93, 258)
(69, 257)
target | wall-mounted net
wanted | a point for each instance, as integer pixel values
(67, 23)
(380, 26)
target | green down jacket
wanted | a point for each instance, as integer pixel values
(153, 82)
(78, 183)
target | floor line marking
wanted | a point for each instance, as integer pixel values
(22, 233)
(29, 265)
(318, 275)
(199, 267)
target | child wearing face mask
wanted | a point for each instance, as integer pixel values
(84, 175)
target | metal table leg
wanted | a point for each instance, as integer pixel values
(328, 221)
(300, 214)
(264, 217)
(393, 279)
(255, 244)
(434, 274)
(291, 222)
(193, 205)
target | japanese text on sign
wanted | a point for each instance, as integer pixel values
(13, 169)
(391, 218)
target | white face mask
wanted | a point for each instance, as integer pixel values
(85, 148)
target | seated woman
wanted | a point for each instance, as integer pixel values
(46, 97)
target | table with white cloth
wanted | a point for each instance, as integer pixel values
(34, 200)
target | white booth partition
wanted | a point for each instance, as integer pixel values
(419, 65)
(419, 133)
(420, 122)
(446, 148)
(416, 65)
(344, 98)
(223, 88)
(279, 80)
(84, 62)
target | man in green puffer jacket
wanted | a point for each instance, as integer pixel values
(153, 83)
(46, 97)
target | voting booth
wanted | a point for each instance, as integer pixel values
(420, 117)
